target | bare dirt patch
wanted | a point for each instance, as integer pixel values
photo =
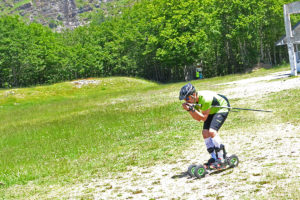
(260, 86)
(84, 82)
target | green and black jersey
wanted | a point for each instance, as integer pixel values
(208, 99)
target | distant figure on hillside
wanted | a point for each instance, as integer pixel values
(207, 106)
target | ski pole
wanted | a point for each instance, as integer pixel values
(238, 108)
(243, 109)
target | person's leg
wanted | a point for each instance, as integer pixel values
(209, 144)
(217, 142)
(207, 139)
(217, 122)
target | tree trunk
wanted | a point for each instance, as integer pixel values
(228, 52)
(275, 61)
(269, 55)
(261, 46)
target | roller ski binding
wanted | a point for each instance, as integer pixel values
(212, 165)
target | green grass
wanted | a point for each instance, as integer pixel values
(60, 134)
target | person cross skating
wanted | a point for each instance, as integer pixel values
(200, 105)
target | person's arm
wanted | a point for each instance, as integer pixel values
(196, 114)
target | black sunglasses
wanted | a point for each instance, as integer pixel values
(187, 98)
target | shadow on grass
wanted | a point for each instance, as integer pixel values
(181, 175)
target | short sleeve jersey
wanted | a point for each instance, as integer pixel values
(208, 99)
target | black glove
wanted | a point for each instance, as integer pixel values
(191, 108)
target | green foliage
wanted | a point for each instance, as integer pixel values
(155, 39)
(29, 54)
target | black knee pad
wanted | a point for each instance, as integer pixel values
(211, 149)
(222, 147)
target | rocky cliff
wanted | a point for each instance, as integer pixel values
(57, 14)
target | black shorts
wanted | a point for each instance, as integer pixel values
(215, 121)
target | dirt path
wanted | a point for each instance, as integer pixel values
(260, 86)
(263, 168)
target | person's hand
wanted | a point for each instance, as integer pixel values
(187, 106)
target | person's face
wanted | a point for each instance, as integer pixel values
(190, 99)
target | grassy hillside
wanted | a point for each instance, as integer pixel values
(64, 134)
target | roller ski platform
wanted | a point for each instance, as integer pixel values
(200, 171)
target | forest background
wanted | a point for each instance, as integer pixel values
(160, 40)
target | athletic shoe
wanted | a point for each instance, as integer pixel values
(218, 164)
(209, 162)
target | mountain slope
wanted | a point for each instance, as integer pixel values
(59, 14)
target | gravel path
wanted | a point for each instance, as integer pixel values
(260, 86)
(262, 168)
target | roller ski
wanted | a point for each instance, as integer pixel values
(213, 165)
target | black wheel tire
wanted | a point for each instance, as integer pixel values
(191, 170)
(233, 161)
(200, 171)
